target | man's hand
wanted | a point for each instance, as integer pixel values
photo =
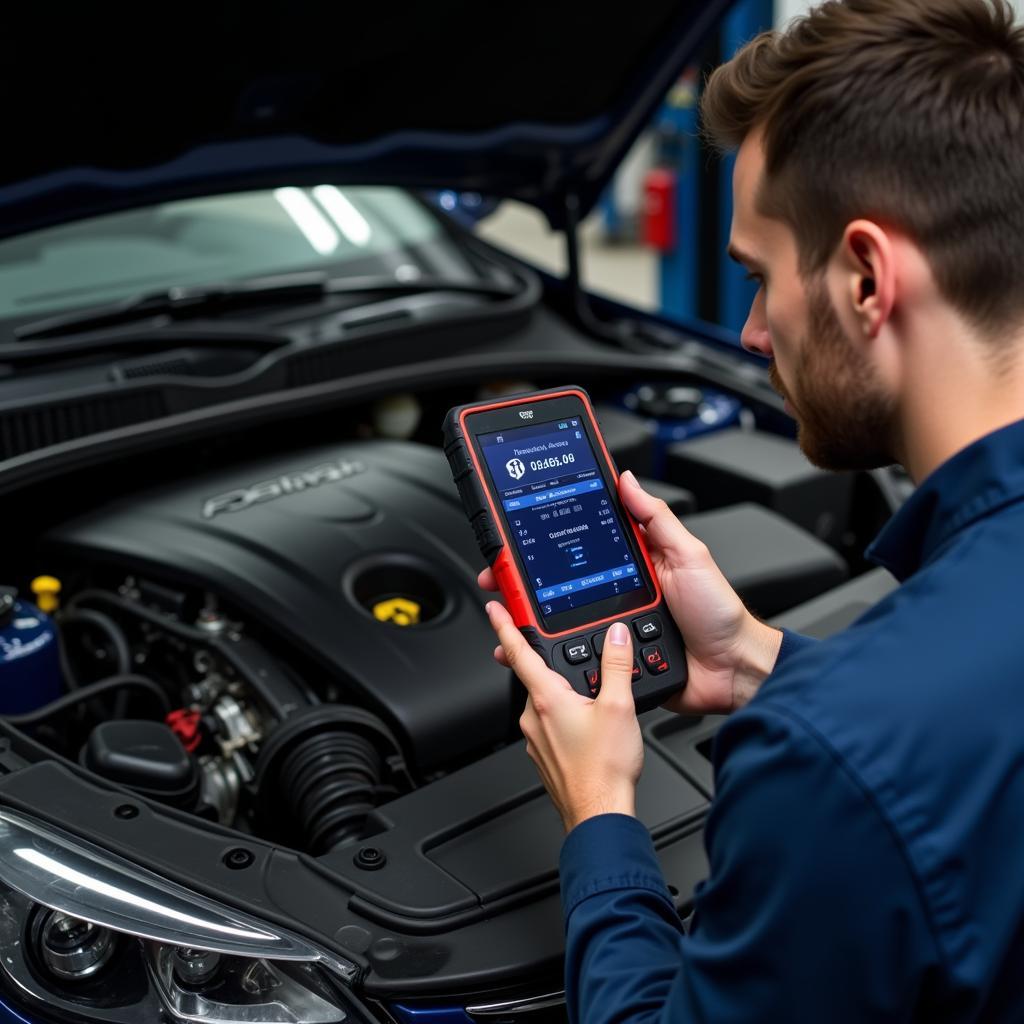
(728, 651)
(589, 752)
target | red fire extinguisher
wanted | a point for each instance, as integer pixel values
(659, 221)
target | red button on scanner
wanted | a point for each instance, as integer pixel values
(654, 660)
(652, 655)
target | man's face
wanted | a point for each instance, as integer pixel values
(844, 417)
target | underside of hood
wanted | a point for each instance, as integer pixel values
(116, 106)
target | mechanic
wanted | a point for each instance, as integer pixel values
(866, 840)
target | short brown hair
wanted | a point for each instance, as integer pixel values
(909, 112)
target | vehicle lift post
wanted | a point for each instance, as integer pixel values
(735, 293)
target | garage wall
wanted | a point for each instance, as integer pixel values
(786, 9)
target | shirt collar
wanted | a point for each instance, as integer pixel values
(984, 476)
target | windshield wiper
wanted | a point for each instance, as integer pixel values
(182, 303)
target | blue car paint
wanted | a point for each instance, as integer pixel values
(9, 1016)
(433, 1015)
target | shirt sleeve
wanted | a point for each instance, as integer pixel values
(619, 917)
(810, 912)
(792, 643)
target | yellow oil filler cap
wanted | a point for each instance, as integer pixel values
(399, 610)
(46, 590)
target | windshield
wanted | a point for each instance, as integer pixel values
(358, 231)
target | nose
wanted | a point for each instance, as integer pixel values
(755, 336)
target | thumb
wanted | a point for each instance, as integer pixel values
(663, 530)
(617, 665)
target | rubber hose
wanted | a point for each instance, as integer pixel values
(106, 625)
(90, 692)
(331, 781)
(220, 645)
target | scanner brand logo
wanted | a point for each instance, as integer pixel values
(281, 486)
(516, 468)
(526, 414)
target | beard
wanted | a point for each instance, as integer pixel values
(845, 421)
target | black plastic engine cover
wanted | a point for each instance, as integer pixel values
(299, 544)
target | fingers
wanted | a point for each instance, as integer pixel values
(617, 666)
(664, 531)
(521, 657)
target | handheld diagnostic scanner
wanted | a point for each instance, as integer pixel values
(541, 491)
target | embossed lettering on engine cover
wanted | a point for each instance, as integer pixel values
(279, 487)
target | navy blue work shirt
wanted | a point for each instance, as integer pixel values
(866, 839)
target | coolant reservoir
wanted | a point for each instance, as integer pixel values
(30, 673)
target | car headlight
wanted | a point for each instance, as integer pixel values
(72, 948)
(88, 933)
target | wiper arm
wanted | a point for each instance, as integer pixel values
(181, 303)
(177, 303)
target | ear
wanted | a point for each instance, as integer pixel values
(867, 263)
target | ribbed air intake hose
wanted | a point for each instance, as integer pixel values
(332, 781)
(323, 771)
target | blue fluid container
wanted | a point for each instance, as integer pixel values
(30, 674)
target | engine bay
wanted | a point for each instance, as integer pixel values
(316, 626)
(280, 665)
(309, 626)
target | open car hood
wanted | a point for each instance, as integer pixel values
(532, 100)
